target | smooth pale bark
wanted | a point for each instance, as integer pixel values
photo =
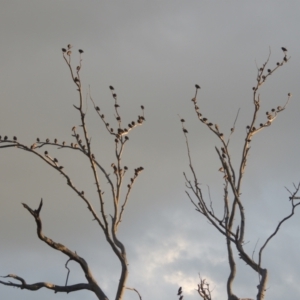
(232, 222)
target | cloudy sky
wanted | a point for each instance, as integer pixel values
(153, 53)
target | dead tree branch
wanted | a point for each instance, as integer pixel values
(83, 144)
(233, 223)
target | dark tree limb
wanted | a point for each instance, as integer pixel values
(135, 290)
(38, 285)
(93, 286)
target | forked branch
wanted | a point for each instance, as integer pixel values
(92, 284)
(234, 213)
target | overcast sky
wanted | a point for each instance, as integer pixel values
(153, 53)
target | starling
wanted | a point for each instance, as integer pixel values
(197, 86)
(38, 140)
(80, 51)
(184, 130)
(5, 138)
(283, 49)
(15, 138)
(47, 140)
(179, 291)
(181, 297)
(115, 169)
(111, 87)
(64, 50)
(142, 106)
(55, 141)
(182, 120)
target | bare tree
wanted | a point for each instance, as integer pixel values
(108, 220)
(232, 223)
